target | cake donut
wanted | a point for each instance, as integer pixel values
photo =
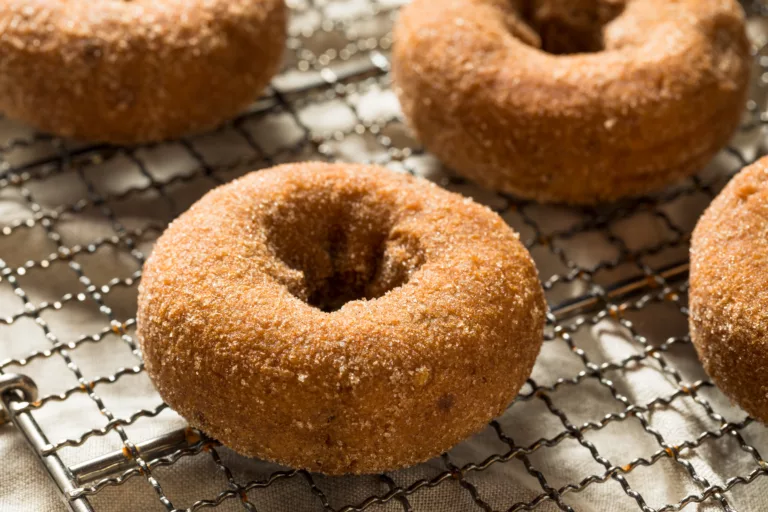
(339, 318)
(135, 71)
(729, 289)
(573, 101)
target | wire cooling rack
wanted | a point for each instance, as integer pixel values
(618, 414)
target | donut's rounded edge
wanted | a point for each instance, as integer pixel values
(728, 314)
(541, 127)
(432, 418)
(129, 73)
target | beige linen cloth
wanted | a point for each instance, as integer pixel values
(360, 123)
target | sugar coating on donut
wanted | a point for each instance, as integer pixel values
(339, 318)
(575, 101)
(729, 289)
(135, 71)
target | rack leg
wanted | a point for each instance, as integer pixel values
(14, 388)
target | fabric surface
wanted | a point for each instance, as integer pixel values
(613, 396)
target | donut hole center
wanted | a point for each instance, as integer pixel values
(330, 256)
(563, 27)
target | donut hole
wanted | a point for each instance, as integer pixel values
(568, 26)
(331, 254)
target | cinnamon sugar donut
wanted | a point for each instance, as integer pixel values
(574, 101)
(729, 289)
(339, 318)
(135, 71)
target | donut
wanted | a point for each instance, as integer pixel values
(572, 101)
(339, 318)
(128, 72)
(728, 294)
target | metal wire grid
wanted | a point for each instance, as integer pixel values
(334, 59)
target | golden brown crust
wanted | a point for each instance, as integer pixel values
(729, 289)
(232, 344)
(655, 105)
(135, 71)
